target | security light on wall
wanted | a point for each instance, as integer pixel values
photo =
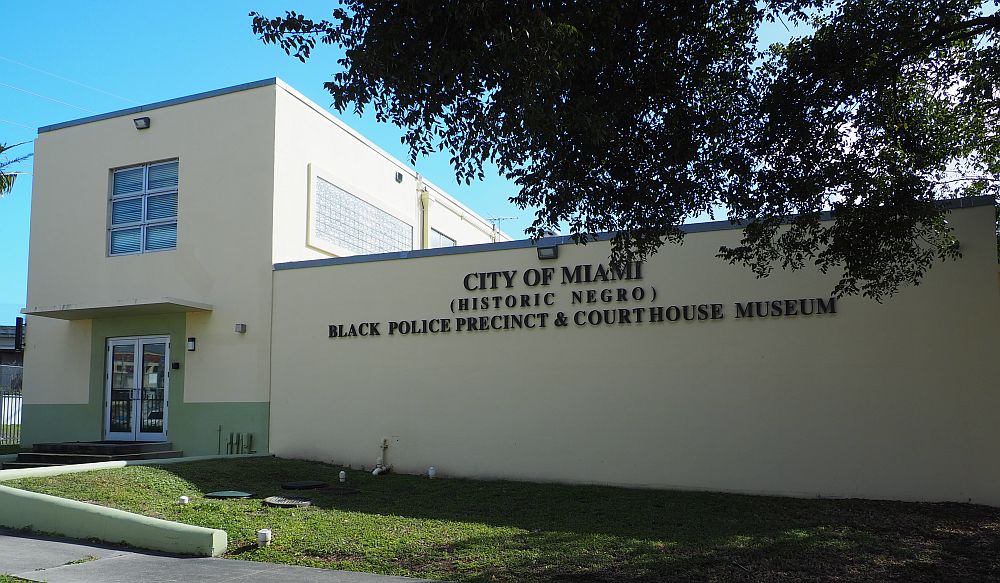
(399, 177)
(548, 252)
(191, 344)
(141, 123)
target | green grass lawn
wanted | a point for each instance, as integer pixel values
(517, 531)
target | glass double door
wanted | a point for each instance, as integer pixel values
(136, 389)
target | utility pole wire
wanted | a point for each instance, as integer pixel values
(68, 80)
(47, 97)
(14, 123)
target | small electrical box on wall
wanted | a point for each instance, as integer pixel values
(175, 365)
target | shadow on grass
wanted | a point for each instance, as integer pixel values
(593, 533)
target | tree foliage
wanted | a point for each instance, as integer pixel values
(634, 117)
(7, 168)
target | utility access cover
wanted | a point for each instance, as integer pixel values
(224, 494)
(287, 502)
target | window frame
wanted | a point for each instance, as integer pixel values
(314, 241)
(144, 195)
(454, 242)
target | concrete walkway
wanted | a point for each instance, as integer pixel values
(64, 561)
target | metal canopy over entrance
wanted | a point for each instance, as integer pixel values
(136, 388)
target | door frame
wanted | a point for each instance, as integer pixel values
(137, 343)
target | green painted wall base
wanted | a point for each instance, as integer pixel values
(193, 428)
(49, 423)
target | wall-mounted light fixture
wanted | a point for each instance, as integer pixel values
(141, 123)
(191, 344)
(399, 177)
(241, 328)
(548, 252)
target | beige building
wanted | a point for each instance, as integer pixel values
(359, 342)
(150, 271)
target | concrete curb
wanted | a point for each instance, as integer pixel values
(75, 468)
(21, 509)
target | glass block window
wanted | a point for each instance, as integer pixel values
(345, 220)
(439, 239)
(143, 209)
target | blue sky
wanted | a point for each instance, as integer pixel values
(64, 60)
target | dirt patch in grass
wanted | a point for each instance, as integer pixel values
(515, 531)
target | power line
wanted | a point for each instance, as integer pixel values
(14, 123)
(47, 97)
(68, 80)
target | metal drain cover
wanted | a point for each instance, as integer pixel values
(225, 494)
(287, 501)
(304, 485)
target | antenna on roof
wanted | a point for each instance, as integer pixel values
(496, 221)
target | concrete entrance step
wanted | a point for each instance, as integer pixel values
(86, 458)
(103, 447)
(84, 452)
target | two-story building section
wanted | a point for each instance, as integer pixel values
(153, 235)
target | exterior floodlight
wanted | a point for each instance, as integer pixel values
(551, 252)
(141, 123)
(399, 177)
(191, 344)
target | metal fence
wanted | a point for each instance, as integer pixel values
(10, 404)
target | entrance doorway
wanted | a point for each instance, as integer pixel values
(136, 389)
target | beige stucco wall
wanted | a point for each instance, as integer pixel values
(243, 185)
(896, 400)
(57, 362)
(225, 148)
(457, 221)
(308, 138)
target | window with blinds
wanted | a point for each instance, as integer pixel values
(143, 209)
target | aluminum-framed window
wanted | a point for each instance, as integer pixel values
(439, 239)
(142, 210)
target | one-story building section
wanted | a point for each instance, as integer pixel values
(490, 358)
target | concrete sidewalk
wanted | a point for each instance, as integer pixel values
(53, 560)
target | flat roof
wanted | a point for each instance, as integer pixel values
(965, 202)
(294, 93)
(159, 104)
